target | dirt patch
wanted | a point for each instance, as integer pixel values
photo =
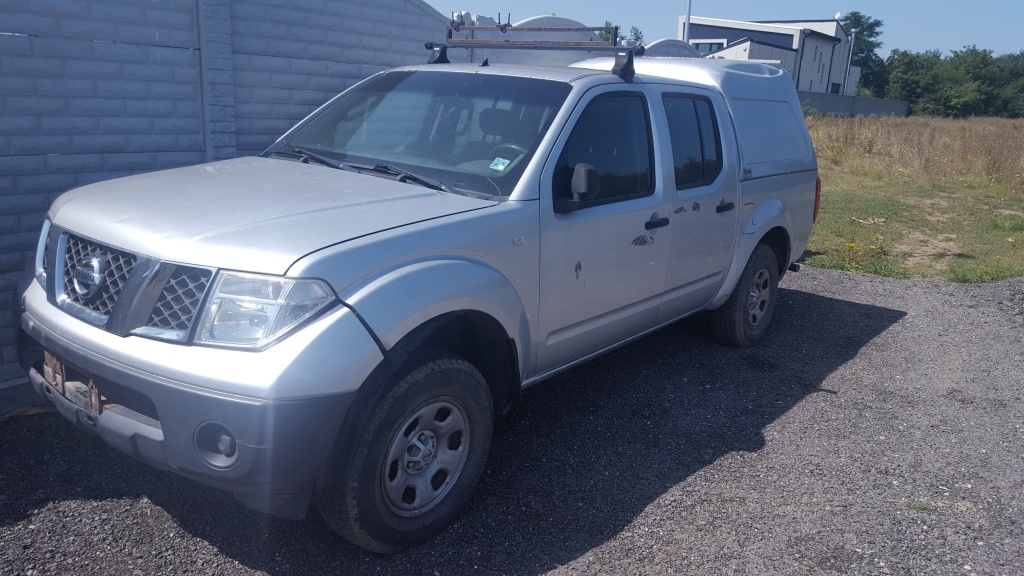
(933, 209)
(1010, 212)
(927, 252)
(926, 202)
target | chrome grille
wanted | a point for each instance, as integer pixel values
(180, 300)
(46, 259)
(115, 266)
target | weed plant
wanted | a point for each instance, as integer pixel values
(920, 196)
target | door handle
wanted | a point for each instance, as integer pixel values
(652, 224)
(724, 207)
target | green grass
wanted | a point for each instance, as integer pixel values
(908, 197)
(922, 507)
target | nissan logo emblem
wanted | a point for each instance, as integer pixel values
(90, 275)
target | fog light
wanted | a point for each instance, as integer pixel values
(226, 445)
(216, 445)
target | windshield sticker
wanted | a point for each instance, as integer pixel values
(499, 164)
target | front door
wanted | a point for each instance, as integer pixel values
(602, 264)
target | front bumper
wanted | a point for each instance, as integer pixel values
(279, 443)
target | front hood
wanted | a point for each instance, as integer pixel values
(252, 214)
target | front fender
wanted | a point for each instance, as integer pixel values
(403, 299)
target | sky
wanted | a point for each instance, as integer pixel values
(912, 25)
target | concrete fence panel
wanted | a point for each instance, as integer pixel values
(839, 105)
(96, 89)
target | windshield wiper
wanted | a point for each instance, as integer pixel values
(305, 155)
(402, 175)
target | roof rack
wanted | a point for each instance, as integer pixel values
(623, 66)
(610, 45)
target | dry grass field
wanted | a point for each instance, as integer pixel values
(919, 196)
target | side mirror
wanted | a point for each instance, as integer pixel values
(586, 185)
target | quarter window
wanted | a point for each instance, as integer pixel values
(696, 144)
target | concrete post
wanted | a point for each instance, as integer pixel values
(217, 79)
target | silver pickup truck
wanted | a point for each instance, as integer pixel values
(340, 319)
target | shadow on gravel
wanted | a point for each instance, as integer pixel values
(573, 464)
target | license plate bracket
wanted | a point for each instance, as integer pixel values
(72, 384)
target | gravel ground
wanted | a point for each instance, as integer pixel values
(879, 430)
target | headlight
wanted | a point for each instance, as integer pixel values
(253, 311)
(41, 254)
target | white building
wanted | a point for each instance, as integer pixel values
(815, 52)
(662, 48)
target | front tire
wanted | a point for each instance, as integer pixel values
(743, 320)
(417, 458)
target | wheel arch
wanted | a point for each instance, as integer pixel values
(478, 338)
(464, 306)
(778, 240)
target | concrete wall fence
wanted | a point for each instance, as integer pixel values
(95, 89)
(839, 105)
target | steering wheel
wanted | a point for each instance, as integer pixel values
(516, 149)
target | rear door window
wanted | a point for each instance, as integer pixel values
(696, 143)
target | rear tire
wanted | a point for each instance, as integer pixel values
(417, 458)
(743, 320)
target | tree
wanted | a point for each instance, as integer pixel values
(636, 35)
(866, 30)
(607, 36)
(913, 77)
(932, 85)
(976, 68)
(1010, 98)
(970, 82)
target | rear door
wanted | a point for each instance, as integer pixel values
(602, 266)
(703, 185)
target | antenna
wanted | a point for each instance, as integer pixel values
(686, 25)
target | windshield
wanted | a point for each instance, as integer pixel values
(474, 133)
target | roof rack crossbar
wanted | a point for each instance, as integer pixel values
(536, 45)
(608, 29)
(440, 54)
(610, 32)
